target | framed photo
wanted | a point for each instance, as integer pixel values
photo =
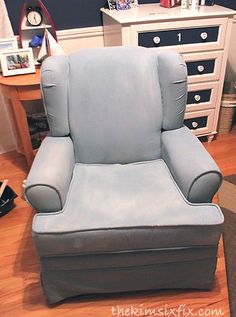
(7, 44)
(17, 62)
(123, 4)
(133, 3)
(112, 4)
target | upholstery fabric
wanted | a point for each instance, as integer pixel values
(125, 207)
(115, 118)
(59, 284)
(49, 178)
(173, 83)
(54, 82)
(193, 168)
(119, 206)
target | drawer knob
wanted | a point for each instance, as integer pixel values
(200, 68)
(194, 124)
(204, 35)
(197, 98)
(156, 40)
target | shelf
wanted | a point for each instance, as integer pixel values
(28, 32)
(42, 26)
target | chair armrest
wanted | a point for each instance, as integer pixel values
(48, 181)
(192, 167)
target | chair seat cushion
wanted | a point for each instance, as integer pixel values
(124, 208)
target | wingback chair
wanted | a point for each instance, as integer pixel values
(121, 187)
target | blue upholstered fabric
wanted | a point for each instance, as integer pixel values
(114, 117)
(193, 168)
(173, 82)
(117, 177)
(54, 81)
(49, 179)
(116, 207)
(115, 113)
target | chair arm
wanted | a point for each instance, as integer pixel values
(192, 167)
(48, 181)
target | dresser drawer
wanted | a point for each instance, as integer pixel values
(200, 122)
(184, 36)
(200, 67)
(202, 96)
(199, 96)
(203, 66)
(178, 37)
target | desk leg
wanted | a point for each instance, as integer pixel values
(22, 126)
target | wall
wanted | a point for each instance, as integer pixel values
(231, 64)
(81, 20)
(69, 14)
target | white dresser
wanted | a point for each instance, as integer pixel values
(202, 37)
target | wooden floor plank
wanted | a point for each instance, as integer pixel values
(20, 289)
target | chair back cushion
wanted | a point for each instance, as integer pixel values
(110, 101)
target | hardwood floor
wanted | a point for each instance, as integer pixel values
(20, 289)
(223, 150)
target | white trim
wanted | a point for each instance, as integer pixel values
(78, 33)
(72, 40)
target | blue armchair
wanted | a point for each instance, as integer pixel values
(122, 189)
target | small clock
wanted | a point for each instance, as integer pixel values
(34, 16)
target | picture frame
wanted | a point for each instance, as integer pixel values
(123, 4)
(111, 4)
(7, 44)
(133, 3)
(17, 62)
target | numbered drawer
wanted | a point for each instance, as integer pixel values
(183, 36)
(201, 96)
(200, 122)
(202, 67)
(178, 37)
